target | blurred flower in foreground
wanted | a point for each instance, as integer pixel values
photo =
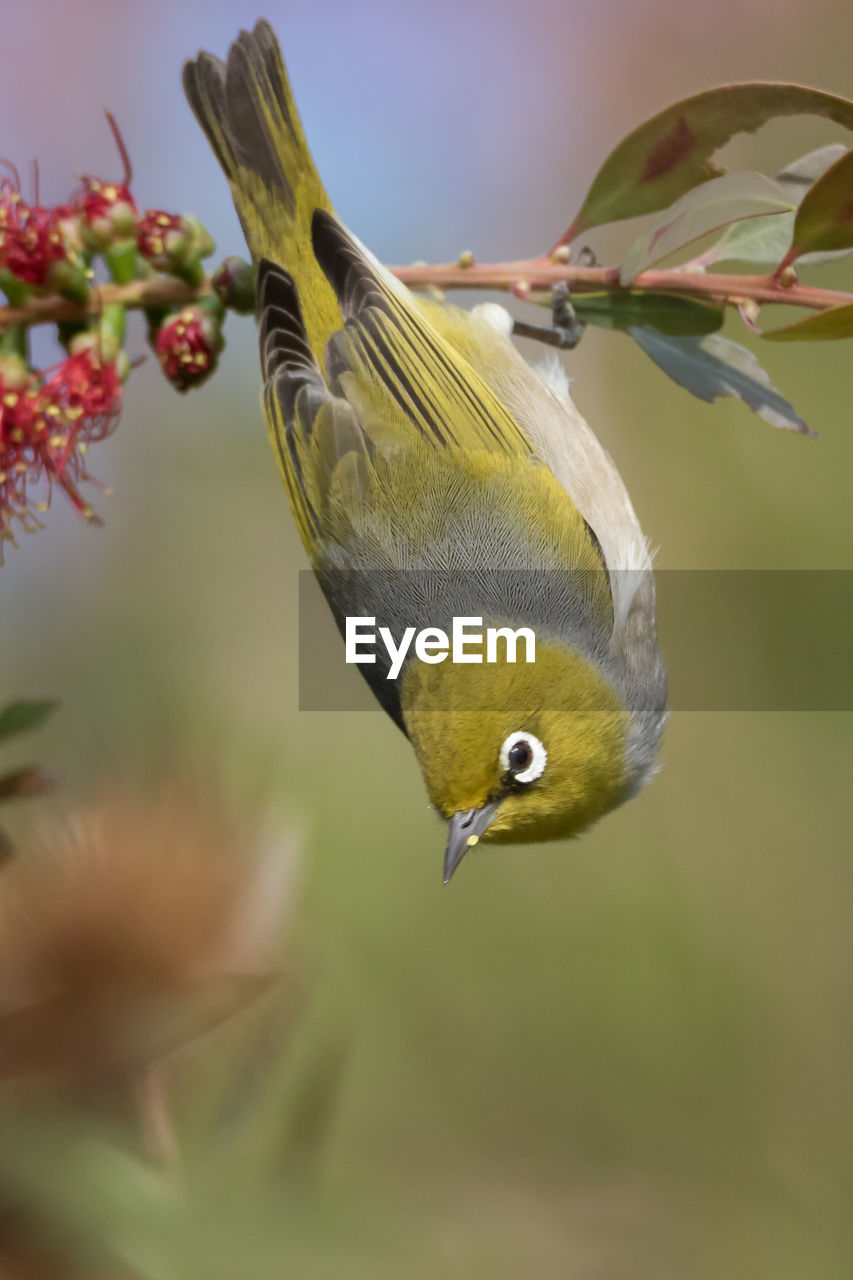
(129, 932)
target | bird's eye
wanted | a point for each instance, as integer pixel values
(523, 756)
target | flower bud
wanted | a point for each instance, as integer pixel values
(187, 344)
(68, 277)
(234, 285)
(174, 243)
(105, 211)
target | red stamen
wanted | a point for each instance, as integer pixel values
(122, 149)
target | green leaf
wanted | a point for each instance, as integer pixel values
(713, 366)
(669, 313)
(823, 327)
(799, 175)
(14, 289)
(824, 219)
(669, 153)
(732, 198)
(761, 241)
(21, 717)
(764, 242)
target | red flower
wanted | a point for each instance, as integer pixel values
(187, 347)
(106, 212)
(175, 243)
(162, 238)
(96, 199)
(46, 426)
(82, 402)
(33, 239)
(21, 426)
(88, 388)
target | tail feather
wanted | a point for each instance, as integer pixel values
(246, 109)
(260, 120)
(204, 86)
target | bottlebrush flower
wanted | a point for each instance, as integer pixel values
(128, 933)
(46, 426)
(187, 344)
(175, 243)
(105, 211)
(21, 425)
(161, 238)
(36, 246)
(86, 386)
(81, 402)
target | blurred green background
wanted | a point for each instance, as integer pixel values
(626, 1056)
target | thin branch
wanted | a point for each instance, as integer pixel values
(540, 275)
(156, 291)
(526, 278)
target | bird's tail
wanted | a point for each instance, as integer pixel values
(246, 109)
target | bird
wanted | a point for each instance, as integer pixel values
(434, 474)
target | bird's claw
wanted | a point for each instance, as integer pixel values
(566, 327)
(565, 331)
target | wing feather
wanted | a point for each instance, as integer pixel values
(385, 340)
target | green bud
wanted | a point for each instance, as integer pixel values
(122, 259)
(176, 245)
(123, 219)
(234, 283)
(203, 241)
(68, 277)
(97, 235)
(15, 290)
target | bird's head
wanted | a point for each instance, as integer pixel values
(517, 752)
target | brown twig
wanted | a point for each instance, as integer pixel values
(157, 291)
(527, 277)
(540, 275)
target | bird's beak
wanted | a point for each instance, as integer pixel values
(465, 830)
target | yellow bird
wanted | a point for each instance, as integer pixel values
(434, 475)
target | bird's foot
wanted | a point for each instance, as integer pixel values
(565, 331)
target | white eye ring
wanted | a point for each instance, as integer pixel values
(538, 756)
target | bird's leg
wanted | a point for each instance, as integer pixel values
(563, 316)
(565, 331)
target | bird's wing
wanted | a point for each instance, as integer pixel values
(393, 388)
(315, 434)
(397, 369)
